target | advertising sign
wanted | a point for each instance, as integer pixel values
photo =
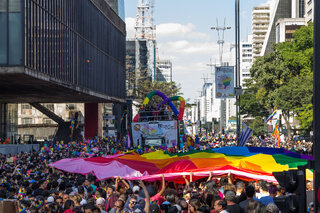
(224, 82)
(166, 131)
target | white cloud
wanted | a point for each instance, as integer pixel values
(189, 50)
(176, 30)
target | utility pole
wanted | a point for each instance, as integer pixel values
(316, 105)
(221, 30)
(237, 38)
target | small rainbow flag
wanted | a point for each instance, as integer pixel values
(276, 134)
(274, 112)
(276, 129)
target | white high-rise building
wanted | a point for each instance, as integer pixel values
(260, 24)
(246, 59)
(309, 7)
(164, 70)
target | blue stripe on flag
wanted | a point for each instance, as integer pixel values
(245, 135)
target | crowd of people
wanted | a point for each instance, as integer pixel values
(38, 188)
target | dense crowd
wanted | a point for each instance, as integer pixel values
(38, 188)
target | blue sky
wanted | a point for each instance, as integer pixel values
(184, 35)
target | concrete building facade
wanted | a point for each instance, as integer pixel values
(260, 24)
(282, 9)
(309, 7)
(285, 27)
(58, 52)
(164, 70)
(246, 58)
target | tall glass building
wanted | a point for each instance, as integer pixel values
(58, 51)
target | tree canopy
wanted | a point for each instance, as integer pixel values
(283, 77)
(170, 89)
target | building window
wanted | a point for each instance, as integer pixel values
(47, 121)
(49, 107)
(26, 106)
(26, 120)
(310, 12)
(309, 2)
(71, 107)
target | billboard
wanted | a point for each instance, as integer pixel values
(224, 82)
(150, 131)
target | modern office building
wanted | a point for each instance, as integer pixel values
(140, 64)
(260, 24)
(164, 70)
(58, 52)
(285, 27)
(309, 7)
(282, 9)
(118, 7)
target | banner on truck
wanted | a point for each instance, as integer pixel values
(165, 130)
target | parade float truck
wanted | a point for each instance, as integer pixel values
(158, 125)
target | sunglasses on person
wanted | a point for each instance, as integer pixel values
(133, 202)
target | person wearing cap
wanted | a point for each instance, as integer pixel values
(230, 197)
(100, 202)
(136, 190)
(50, 199)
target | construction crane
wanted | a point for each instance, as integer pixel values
(152, 5)
(144, 20)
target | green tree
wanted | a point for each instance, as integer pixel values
(168, 88)
(283, 77)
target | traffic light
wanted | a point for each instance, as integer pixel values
(294, 182)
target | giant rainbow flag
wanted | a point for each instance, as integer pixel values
(247, 163)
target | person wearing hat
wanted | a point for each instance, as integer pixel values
(230, 197)
(100, 202)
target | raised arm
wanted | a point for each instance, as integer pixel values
(125, 183)
(210, 176)
(144, 188)
(163, 185)
(186, 180)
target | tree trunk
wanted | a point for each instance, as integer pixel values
(286, 118)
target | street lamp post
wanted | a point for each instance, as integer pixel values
(237, 39)
(221, 43)
(316, 105)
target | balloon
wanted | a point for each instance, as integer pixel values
(163, 96)
(182, 105)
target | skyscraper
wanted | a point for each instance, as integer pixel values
(246, 59)
(260, 24)
(164, 70)
(281, 9)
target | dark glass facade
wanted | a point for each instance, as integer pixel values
(72, 41)
(8, 122)
(11, 33)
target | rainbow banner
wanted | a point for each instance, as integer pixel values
(246, 163)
